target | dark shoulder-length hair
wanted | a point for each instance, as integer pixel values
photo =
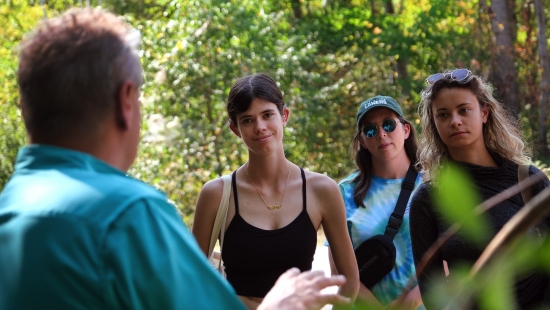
(363, 159)
(248, 88)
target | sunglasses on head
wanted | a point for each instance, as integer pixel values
(371, 130)
(458, 75)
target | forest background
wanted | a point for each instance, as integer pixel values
(327, 56)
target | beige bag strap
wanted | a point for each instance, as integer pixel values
(221, 216)
(523, 174)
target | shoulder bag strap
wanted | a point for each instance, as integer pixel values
(523, 174)
(397, 216)
(221, 216)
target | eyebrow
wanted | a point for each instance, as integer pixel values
(458, 106)
(249, 115)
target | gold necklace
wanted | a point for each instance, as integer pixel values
(273, 207)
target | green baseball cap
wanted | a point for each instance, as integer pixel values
(378, 102)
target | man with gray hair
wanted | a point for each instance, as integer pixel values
(75, 230)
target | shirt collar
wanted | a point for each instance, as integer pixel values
(39, 156)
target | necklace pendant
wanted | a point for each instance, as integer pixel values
(271, 208)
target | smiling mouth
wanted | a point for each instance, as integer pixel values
(262, 138)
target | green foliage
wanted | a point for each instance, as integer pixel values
(327, 62)
(16, 19)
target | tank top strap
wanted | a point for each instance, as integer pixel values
(234, 187)
(304, 198)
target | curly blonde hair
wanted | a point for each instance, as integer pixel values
(501, 133)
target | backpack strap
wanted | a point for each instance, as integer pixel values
(523, 174)
(221, 216)
(396, 217)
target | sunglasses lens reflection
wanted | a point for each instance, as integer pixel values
(389, 125)
(371, 130)
(460, 74)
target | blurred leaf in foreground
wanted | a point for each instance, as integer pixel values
(456, 198)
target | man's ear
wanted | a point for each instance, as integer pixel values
(234, 129)
(125, 106)
(22, 107)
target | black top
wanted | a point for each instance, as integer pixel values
(427, 224)
(254, 258)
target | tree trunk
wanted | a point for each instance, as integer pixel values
(504, 75)
(544, 80)
(297, 8)
(512, 18)
(388, 5)
(373, 8)
(403, 76)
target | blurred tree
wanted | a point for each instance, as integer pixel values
(542, 145)
(503, 25)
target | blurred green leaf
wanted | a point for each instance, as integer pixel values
(457, 199)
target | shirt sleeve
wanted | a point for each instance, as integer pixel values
(424, 232)
(538, 188)
(153, 262)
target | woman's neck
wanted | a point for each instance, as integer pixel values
(392, 169)
(268, 169)
(480, 157)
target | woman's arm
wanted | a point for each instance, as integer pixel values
(334, 225)
(424, 232)
(205, 213)
(542, 184)
(365, 296)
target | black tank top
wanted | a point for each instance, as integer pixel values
(254, 258)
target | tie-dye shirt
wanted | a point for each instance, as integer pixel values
(364, 223)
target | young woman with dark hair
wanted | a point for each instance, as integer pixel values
(384, 148)
(275, 207)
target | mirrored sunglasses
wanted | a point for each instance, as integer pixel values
(371, 130)
(457, 75)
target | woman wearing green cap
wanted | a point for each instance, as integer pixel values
(385, 148)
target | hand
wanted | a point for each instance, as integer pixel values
(302, 291)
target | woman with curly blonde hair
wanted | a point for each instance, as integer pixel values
(500, 131)
(464, 124)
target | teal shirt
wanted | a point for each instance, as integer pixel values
(76, 233)
(364, 223)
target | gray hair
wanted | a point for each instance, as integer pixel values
(70, 71)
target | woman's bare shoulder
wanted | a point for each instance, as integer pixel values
(319, 178)
(211, 193)
(214, 185)
(320, 183)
